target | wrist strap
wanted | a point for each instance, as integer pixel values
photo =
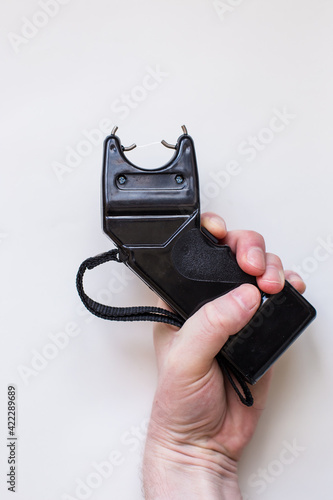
(146, 313)
(139, 313)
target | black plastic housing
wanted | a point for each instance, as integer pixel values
(153, 216)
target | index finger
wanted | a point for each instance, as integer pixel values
(248, 246)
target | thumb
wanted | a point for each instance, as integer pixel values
(205, 333)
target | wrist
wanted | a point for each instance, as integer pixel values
(173, 471)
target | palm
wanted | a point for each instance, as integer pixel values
(205, 407)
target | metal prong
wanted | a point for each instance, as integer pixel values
(172, 146)
(167, 145)
(114, 130)
(128, 148)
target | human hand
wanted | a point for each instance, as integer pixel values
(198, 426)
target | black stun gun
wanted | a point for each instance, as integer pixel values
(153, 216)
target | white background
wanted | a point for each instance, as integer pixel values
(223, 76)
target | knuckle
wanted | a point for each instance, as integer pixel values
(223, 320)
(211, 317)
(274, 260)
(256, 237)
(219, 318)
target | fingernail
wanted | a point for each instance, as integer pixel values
(273, 275)
(294, 278)
(282, 278)
(256, 257)
(218, 221)
(247, 296)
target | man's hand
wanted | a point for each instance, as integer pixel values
(198, 426)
